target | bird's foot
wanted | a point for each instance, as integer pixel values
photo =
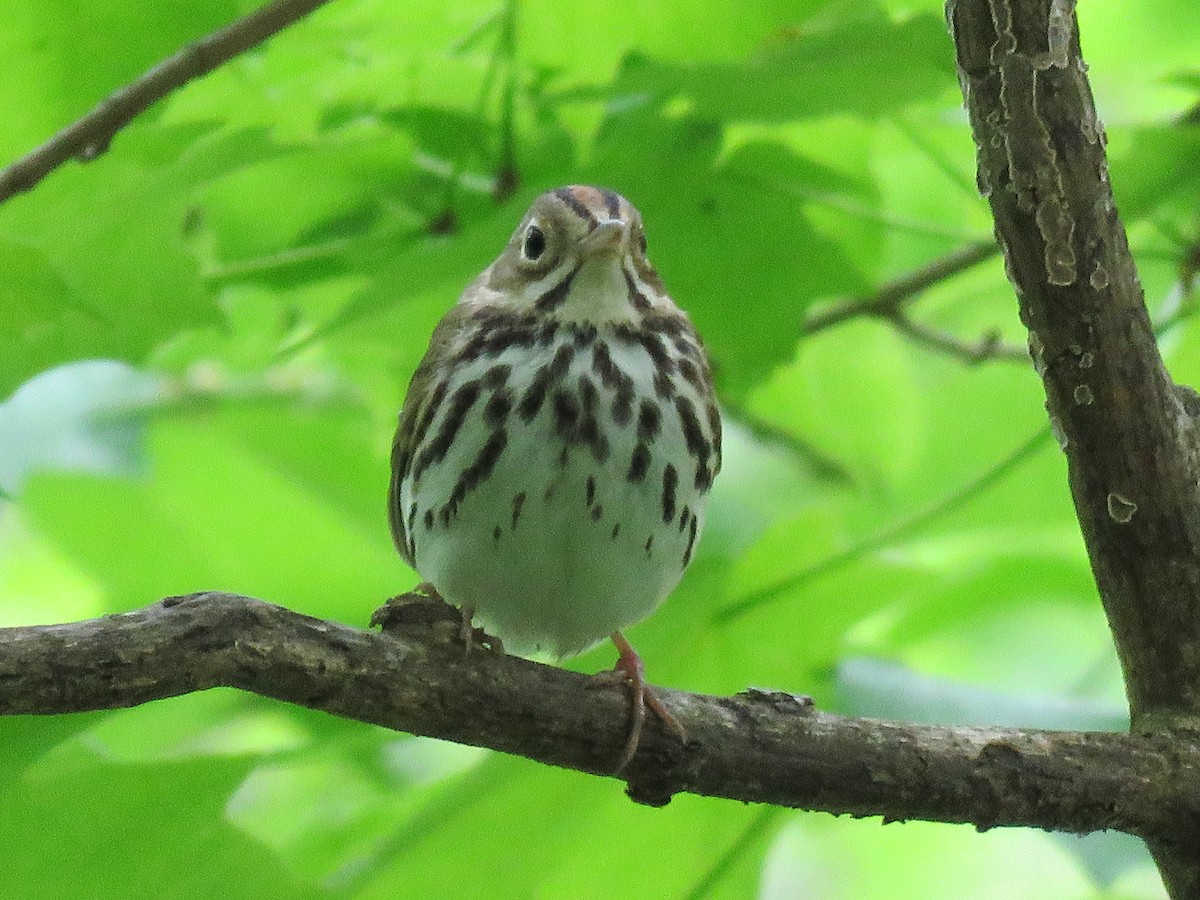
(630, 671)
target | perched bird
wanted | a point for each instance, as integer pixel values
(558, 441)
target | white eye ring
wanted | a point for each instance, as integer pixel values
(534, 244)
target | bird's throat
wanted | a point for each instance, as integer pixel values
(599, 292)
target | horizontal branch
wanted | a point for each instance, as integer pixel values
(88, 137)
(758, 746)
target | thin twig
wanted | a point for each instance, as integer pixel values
(88, 137)
(446, 220)
(987, 347)
(891, 535)
(822, 465)
(891, 297)
(890, 302)
(508, 176)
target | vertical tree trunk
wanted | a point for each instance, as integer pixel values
(1128, 431)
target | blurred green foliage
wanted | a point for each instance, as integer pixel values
(206, 333)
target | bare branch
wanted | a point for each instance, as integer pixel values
(759, 746)
(892, 297)
(88, 137)
(987, 347)
(890, 302)
(1130, 436)
(892, 534)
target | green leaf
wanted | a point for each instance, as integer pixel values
(870, 417)
(227, 507)
(1159, 170)
(115, 233)
(62, 816)
(68, 61)
(814, 71)
(725, 235)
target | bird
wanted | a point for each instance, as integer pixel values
(558, 442)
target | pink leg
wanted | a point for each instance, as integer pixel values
(629, 666)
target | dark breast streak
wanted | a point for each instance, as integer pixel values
(583, 410)
(676, 354)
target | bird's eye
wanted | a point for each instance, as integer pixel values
(535, 243)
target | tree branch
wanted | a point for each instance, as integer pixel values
(1130, 433)
(88, 137)
(989, 346)
(892, 297)
(891, 302)
(892, 534)
(1131, 439)
(759, 746)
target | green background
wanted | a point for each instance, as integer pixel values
(206, 333)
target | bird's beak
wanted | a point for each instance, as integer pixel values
(605, 237)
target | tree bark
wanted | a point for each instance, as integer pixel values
(1128, 431)
(758, 746)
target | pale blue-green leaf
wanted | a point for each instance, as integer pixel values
(881, 689)
(852, 859)
(86, 416)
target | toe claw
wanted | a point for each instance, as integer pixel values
(631, 670)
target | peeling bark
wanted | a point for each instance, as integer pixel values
(1128, 431)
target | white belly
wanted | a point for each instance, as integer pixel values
(566, 538)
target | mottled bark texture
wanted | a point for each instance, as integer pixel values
(1128, 431)
(759, 746)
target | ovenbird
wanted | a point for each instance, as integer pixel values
(558, 441)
